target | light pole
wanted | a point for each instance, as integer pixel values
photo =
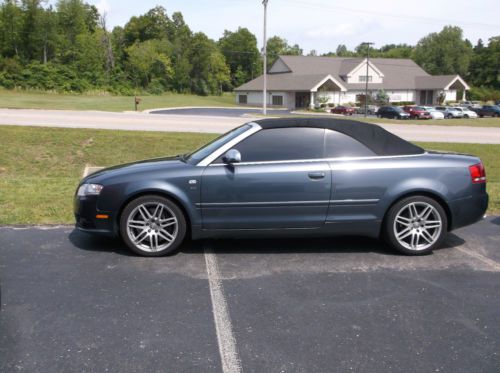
(264, 54)
(367, 72)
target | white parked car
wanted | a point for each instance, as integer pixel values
(450, 112)
(467, 113)
(433, 112)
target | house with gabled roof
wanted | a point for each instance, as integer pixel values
(302, 81)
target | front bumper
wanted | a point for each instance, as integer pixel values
(86, 212)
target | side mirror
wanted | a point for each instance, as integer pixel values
(232, 156)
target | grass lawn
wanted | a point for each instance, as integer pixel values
(42, 100)
(40, 167)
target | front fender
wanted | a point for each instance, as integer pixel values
(118, 196)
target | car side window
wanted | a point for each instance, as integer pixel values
(339, 145)
(282, 144)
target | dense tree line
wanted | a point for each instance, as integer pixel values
(68, 48)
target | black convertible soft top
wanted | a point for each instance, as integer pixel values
(379, 140)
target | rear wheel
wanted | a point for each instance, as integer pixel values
(416, 225)
(152, 226)
(466, 116)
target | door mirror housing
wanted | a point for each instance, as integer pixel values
(232, 156)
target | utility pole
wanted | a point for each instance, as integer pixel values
(367, 72)
(264, 54)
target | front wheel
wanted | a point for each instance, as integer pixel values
(416, 225)
(152, 226)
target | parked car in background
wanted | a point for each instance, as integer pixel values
(392, 112)
(467, 113)
(474, 104)
(273, 177)
(488, 111)
(345, 110)
(417, 112)
(435, 114)
(450, 112)
(371, 109)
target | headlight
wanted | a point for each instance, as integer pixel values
(89, 190)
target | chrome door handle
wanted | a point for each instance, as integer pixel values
(316, 175)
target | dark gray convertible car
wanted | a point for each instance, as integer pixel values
(288, 177)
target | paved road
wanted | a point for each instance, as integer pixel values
(197, 123)
(72, 302)
(219, 112)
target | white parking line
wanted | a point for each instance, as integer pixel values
(225, 337)
(465, 248)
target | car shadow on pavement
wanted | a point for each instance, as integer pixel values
(496, 220)
(88, 242)
(346, 244)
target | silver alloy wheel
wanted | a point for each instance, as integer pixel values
(152, 227)
(417, 226)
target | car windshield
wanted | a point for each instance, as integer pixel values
(209, 148)
(398, 109)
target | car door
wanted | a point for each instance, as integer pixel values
(357, 185)
(281, 182)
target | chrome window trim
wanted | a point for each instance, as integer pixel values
(338, 159)
(217, 153)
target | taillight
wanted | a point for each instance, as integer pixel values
(477, 173)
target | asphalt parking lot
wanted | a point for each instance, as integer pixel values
(72, 302)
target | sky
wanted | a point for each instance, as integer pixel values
(323, 24)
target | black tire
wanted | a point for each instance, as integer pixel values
(449, 116)
(466, 116)
(389, 225)
(169, 207)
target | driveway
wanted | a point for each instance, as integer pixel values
(132, 121)
(72, 302)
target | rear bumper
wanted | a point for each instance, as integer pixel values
(468, 211)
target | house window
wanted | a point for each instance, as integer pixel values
(277, 100)
(362, 78)
(242, 99)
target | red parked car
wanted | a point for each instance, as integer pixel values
(346, 110)
(417, 112)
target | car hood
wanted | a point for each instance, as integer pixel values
(163, 163)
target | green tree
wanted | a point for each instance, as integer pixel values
(149, 61)
(242, 55)
(155, 24)
(382, 98)
(209, 70)
(11, 28)
(277, 46)
(485, 65)
(181, 37)
(444, 52)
